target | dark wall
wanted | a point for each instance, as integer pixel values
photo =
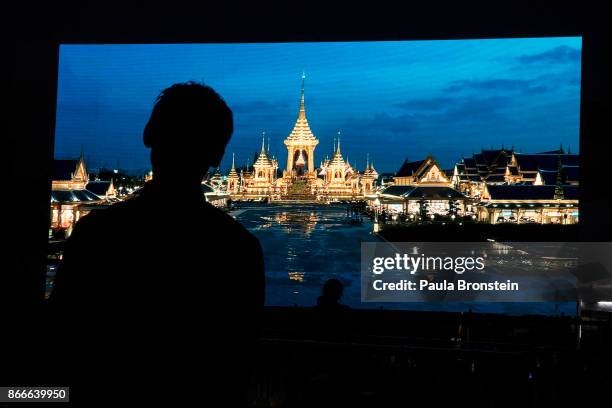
(31, 57)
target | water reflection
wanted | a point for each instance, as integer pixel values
(304, 245)
(296, 276)
(301, 220)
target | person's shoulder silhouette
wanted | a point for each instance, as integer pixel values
(165, 270)
(333, 319)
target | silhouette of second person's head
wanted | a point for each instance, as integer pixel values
(187, 132)
(331, 293)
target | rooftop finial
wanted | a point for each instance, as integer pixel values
(263, 142)
(338, 149)
(233, 161)
(367, 160)
(302, 105)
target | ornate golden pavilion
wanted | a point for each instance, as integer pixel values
(334, 179)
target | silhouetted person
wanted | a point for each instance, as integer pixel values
(330, 296)
(333, 322)
(162, 292)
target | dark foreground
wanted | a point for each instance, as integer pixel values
(371, 358)
(383, 358)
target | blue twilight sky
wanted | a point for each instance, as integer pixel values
(394, 100)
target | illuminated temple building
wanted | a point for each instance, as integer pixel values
(518, 187)
(334, 179)
(73, 195)
(422, 188)
(493, 186)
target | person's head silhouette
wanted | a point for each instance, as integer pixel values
(331, 293)
(187, 132)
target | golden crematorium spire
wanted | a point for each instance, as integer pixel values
(301, 141)
(337, 159)
(263, 142)
(338, 148)
(233, 169)
(335, 179)
(302, 114)
(232, 178)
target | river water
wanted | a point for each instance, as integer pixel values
(306, 244)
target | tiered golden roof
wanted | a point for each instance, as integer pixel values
(263, 159)
(370, 170)
(301, 131)
(337, 160)
(233, 173)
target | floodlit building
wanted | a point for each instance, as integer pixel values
(337, 179)
(522, 204)
(233, 181)
(517, 187)
(261, 182)
(502, 167)
(421, 189)
(368, 178)
(103, 188)
(421, 173)
(493, 186)
(213, 196)
(70, 197)
(334, 179)
(301, 144)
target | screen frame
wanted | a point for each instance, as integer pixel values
(36, 59)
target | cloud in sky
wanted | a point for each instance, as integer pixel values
(526, 86)
(560, 54)
(427, 104)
